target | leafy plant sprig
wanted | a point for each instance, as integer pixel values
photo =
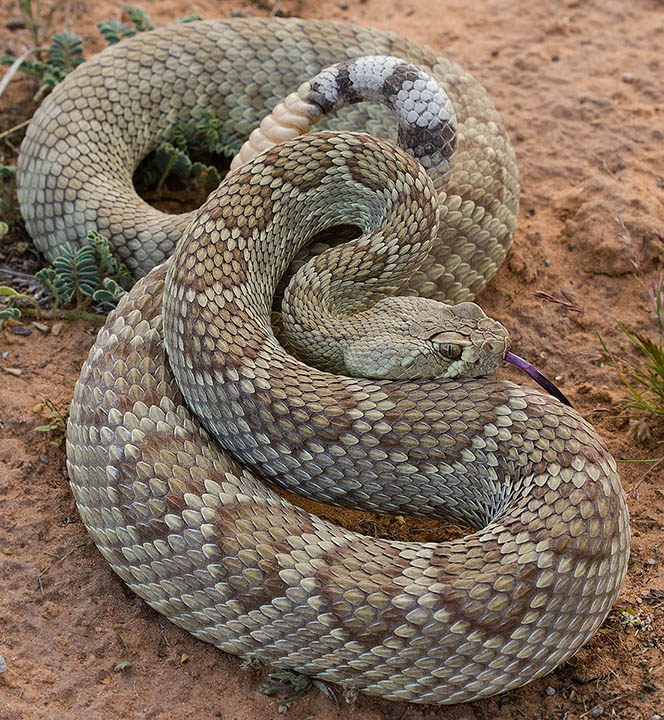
(643, 376)
(56, 425)
(115, 30)
(66, 50)
(63, 55)
(7, 204)
(202, 136)
(87, 276)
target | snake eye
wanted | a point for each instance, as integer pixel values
(449, 344)
(452, 352)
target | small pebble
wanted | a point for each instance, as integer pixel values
(21, 330)
(547, 262)
(43, 459)
(3, 665)
(627, 78)
(343, 6)
(597, 711)
(236, 12)
(15, 24)
(550, 691)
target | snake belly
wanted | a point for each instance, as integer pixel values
(187, 524)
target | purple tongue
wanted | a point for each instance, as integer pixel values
(536, 375)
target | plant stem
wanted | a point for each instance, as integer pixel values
(65, 315)
(15, 128)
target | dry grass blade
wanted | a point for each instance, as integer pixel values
(564, 301)
(643, 378)
(14, 67)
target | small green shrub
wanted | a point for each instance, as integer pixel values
(56, 421)
(89, 272)
(115, 30)
(63, 55)
(84, 277)
(202, 136)
(643, 376)
(66, 50)
(8, 210)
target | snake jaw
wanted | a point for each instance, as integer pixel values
(537, 376)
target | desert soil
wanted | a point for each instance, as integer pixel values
(579, 85)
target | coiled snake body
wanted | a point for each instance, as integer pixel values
(189, 528)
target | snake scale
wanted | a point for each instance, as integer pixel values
(183, 518)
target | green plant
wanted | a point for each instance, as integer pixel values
(189, 18)
(11, 312)
(56, 425)
(115, 30)
(66, 50)
(84, 277)
(643, 375)
(8, 209)
(89, 274)
(37, 17)
(63, 55)
(201, 136)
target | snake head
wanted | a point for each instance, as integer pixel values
(416, 339)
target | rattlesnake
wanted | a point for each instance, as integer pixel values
(186, 524)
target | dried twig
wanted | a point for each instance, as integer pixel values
(55, 562)
(11, 130)
(565, 301)
(13, 69)
(634, 490)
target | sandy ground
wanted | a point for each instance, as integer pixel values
(579, 84)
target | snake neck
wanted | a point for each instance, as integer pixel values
(329, 302)
(242, 245)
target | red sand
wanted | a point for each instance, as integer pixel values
(579, 85)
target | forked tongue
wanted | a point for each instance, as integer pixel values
(537, 376)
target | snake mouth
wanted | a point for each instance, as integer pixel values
(537, 376)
